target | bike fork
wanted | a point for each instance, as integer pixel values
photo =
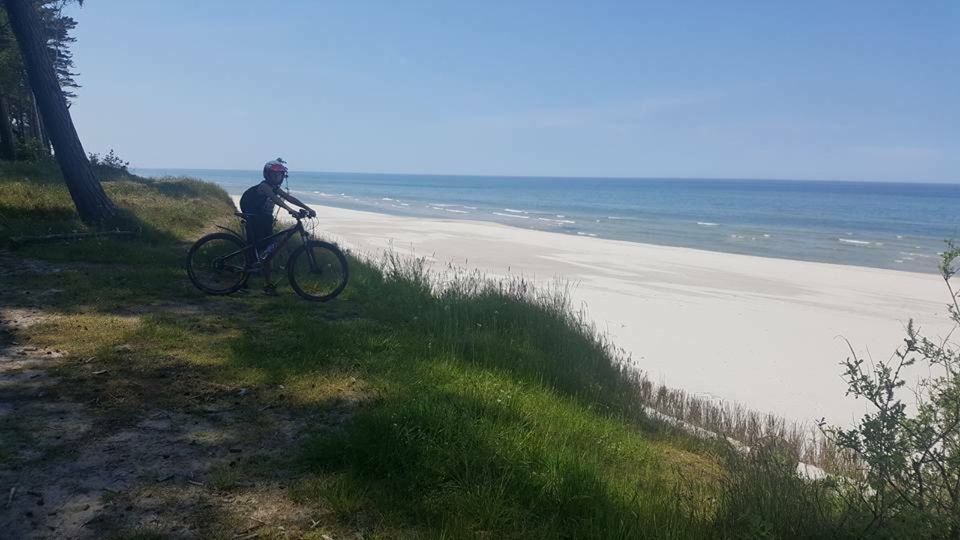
(310, 257)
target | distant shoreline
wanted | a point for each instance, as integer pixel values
(867, 225)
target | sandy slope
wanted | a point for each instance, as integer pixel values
(767, 333)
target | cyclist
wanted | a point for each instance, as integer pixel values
(258, 203)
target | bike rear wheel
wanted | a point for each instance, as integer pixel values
(318, 271)
(217, 263)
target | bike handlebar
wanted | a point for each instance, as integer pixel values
(301, 214)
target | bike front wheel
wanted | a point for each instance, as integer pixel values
(216, 263)
(318, 271)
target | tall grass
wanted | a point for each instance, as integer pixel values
(453, 302)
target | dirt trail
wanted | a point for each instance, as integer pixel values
(68, 469)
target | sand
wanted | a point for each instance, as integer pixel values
(767, 333)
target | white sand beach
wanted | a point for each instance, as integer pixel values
(767, 333)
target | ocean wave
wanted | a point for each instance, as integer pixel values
(510, 215)
(558, 221)
(707, 224)
(386, 199)
(455, 211)
(854, 242)
(581, 233)
(512, 211)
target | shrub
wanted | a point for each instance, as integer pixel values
(911, 474)
(109, 166)
(32, 150)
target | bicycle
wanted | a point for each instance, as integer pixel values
(218, 263)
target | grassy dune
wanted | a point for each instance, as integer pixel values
(476, 409)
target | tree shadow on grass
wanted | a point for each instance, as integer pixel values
(145, 435)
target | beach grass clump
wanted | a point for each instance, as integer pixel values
(157, 212)
(453, 302)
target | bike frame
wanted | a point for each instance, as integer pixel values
(275, 241)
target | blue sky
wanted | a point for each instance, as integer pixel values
(804, 90)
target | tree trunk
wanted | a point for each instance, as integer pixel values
(44, 137)
(91, 201)
(7, 148)
(38, 128)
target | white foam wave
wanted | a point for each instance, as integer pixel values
(558, 221)
(707, 224)
(854, 242)
(510, 215)
(512, 211)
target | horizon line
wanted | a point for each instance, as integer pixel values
(576, 177)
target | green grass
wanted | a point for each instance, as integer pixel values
(476, 409)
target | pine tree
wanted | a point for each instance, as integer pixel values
(91, 201)
(19, 116)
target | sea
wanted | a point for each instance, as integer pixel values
(900, 226)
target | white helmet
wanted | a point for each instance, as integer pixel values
(277, 166)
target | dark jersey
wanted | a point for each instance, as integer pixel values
(256, 200)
